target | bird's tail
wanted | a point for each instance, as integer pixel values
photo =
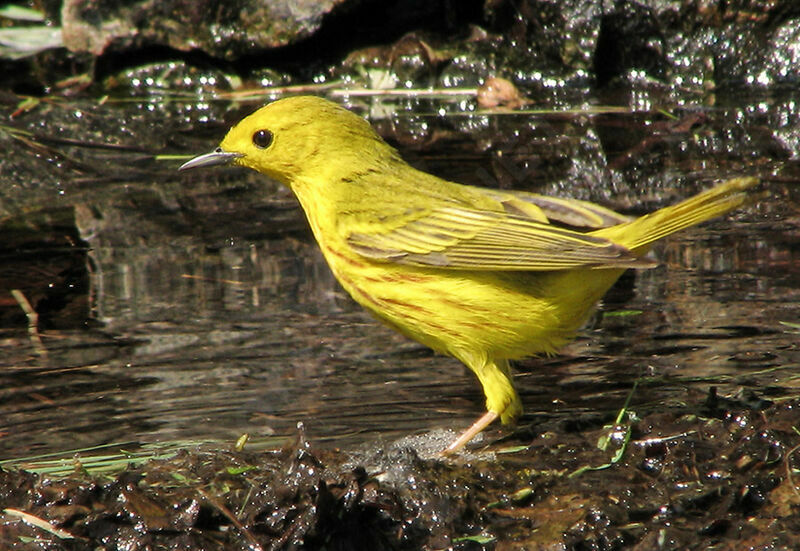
(637, 235)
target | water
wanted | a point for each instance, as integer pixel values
(197, 306)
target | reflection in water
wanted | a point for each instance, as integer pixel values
(210, 312)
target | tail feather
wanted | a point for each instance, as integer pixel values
(638, 234)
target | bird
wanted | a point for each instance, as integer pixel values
(484, 275)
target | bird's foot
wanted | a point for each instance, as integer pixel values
(484, 421)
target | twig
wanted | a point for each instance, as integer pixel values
(231, 517)
(405, 92)
(32, 520)
(33, 322)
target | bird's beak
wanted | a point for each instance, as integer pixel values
(216, 157)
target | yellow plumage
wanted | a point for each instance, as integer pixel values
(486, 276)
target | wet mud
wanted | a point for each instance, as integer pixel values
(716, 473)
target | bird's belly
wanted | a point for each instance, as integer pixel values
(497, 314)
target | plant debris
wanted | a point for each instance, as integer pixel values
(721, 472)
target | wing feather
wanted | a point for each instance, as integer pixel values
(466, 238)
(573, 212)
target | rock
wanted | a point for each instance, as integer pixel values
(221, 29)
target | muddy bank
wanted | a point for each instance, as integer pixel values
(715, 473)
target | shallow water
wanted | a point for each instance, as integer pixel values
(196, 306)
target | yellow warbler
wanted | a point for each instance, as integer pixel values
(483, 275)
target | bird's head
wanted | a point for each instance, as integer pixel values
(296, 137)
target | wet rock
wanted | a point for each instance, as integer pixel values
(629, 38)
(554, 49)
(500, 92)
(221, 29)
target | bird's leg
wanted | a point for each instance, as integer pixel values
(484, 421)
(502, 400)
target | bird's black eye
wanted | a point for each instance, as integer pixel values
(262, 138)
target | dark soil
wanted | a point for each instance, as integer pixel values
(715, 474)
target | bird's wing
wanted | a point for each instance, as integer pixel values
(465, 238)
(572, 212)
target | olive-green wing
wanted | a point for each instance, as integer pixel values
(572, 212)
(463, 238)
